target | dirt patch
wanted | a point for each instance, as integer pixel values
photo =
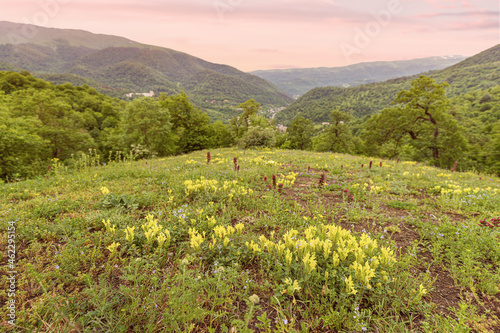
(406, 237)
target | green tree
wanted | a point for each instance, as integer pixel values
(61, 125)
(220, 135)
(189, 124)
(337, 136)
(493, 153)
(146, 122)
(299, 133)
(22, 150)
(421, 114)
(239, 125)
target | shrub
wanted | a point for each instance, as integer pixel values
(258, 137)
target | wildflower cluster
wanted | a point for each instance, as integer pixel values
(493, 222)
(212, 186)
(195, 238)
(112, 248)
(452, 188)
(222, 235)
(260, 161)
(331, 254)
(287, 180)
(200, 185)
(153, 231)
(217, 239)
(290, 286)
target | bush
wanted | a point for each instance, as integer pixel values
(258, 137)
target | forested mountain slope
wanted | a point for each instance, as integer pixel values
(479, 72)
(116, 66)
(298, 81)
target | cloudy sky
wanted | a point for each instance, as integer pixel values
(265, 34)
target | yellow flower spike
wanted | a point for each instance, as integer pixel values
(239, 228)
(161, 239)
(288, 257)
(350, 286)
(112, 248)
(280, 247)
(253, 246)
(422, 291)
(327, 247)
(211, 221)
(336, 259)
(230, 231)
(309, 262)
(292, 286)
(150, 235)
(359, 254)
(226, 241)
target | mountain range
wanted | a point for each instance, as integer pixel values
(479, 72)
(116, 66)
(298, 81)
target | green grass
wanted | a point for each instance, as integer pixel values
(395, 248)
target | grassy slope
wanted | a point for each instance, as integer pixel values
(444, 280)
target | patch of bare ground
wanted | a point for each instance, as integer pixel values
(445, 294)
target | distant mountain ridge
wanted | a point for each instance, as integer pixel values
(479, 72)
(118, 66)
(298, 81)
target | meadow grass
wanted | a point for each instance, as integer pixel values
(328, 244)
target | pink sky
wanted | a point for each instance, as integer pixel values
(266, 34)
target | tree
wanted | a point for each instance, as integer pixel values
(421, 114)
(22, 150)
(338, 135)
(190, 125)
(61, 125)
(220, 135)
(145, 122)
(299, 133)
(493, 159)
(240, 124)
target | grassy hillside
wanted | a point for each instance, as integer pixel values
(478, 72)
(174, 245)
(126, 66)
(298, 81)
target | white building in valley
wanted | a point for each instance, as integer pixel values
(149, 94)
